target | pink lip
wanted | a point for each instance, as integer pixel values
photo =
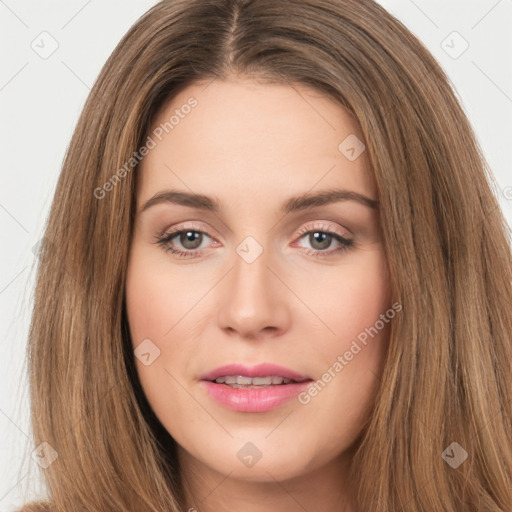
(254, 400)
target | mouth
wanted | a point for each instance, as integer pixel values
(244, 382)
(253, 389)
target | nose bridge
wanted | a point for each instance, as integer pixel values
(251, 299)
(250, 280)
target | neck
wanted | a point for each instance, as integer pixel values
(207, 490)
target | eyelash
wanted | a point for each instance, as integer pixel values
(165, 238)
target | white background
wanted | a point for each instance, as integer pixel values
(40, 101)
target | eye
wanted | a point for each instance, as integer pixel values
(320, 236)
(190, 239)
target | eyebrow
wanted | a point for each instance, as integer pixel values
(293, 204)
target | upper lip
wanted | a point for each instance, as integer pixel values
(261, 370)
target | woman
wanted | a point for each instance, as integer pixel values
(365, 371)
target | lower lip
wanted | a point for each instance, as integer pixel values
(252, 399)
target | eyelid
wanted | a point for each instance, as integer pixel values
(187, 226)
(322, 226)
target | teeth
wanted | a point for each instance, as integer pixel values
(260, 381)
(241, 380)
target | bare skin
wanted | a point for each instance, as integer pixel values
(300, 304)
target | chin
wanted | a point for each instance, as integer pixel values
(259, 460)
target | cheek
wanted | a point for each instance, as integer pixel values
(153, 308)
(149, 310)
(349, 299)
(351, 354)
(155, 297)
(146, 303)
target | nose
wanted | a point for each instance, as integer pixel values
(253, 300)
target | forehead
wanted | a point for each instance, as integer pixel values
(258, 138)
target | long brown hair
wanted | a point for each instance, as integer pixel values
(448, 368)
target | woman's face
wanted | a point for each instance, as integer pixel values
(263, 274)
